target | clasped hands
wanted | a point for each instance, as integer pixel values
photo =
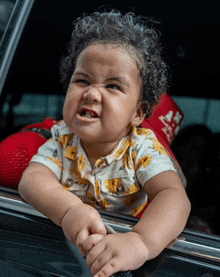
(105, 254)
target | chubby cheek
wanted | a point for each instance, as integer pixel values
(119, 111)
(69, 109)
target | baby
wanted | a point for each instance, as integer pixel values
(99, 158)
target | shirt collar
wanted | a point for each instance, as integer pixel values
(75, 143)
(119, 151)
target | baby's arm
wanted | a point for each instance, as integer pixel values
(162, 222)
(40, 187)
(167, 214)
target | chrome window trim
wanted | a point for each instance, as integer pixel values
(21, 10)
(190, 243)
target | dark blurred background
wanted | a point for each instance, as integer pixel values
(190, 34)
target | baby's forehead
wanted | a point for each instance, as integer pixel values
(116, 49)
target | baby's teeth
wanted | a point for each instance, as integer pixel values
(88, 115)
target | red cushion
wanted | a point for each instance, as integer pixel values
(46, 124)
(16, 152)
(165, 121)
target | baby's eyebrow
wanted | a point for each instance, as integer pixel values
(79, 73)
(121, 80)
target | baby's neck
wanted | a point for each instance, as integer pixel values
(96, 151)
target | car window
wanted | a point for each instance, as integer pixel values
(31, 89)
(6, 11)
(13, 16)
(6, 8)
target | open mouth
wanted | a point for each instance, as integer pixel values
(88, 113)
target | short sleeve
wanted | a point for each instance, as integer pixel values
(50, 154)
(151, 159)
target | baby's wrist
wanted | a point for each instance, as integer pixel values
(72, 209)
(145, 246)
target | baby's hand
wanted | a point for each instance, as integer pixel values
(91, 241)
(117, 252)
(79, 222)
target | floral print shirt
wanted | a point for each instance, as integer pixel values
(116, 181)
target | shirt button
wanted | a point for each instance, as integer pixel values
(103, 164)
(120, 188)
(55, 153)
(69, 182)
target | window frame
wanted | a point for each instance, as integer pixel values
(191, 243)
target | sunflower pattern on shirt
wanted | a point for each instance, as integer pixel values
(116, 182)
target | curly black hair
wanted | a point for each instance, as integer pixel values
(134, 32)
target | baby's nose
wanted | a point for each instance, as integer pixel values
(93, 94)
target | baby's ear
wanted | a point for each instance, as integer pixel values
(139, 116)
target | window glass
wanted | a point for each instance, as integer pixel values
(13, 16)
(6, 8)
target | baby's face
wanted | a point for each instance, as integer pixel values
(102, 101)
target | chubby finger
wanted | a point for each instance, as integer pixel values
(108, 269)
(91, 241)
(94, 253)
(98, 227)
(81, 237)
(104, 258)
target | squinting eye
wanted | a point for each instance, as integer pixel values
(113, 87)
(82, 81)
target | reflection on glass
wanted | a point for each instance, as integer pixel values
(11, 34)
(6, 12)
(6, 8)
